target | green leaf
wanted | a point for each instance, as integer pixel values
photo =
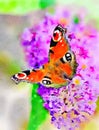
(97, 103)
(76, 20)
(45, 3)
(18, 6)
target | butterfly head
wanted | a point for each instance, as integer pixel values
(58, 33)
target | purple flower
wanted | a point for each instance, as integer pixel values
(36, 42)
(72, 104)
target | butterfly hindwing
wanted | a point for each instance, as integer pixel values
(32, 76)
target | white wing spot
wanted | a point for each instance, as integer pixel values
(64, 58)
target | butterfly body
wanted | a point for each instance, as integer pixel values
(60, 68)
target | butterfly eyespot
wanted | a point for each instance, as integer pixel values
(20, 75)
(68, 56)
(46, 82)
(56, 35)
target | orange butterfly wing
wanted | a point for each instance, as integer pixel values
(60, 68)
(58, 45)
(59, 50)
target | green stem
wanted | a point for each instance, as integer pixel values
(38, 112)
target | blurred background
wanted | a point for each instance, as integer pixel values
(15, 16)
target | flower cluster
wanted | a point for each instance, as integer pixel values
(72, 104)
(36, 42)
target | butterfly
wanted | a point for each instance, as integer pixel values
(61, 67)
